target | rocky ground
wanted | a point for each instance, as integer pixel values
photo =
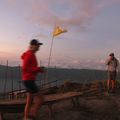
(95, 104)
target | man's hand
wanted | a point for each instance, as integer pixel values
(43, 69)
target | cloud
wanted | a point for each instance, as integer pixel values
(10, 57)
(80, 63)
(12, 2)
(80, 13)
(72, 13)
(40, 36)
(76, 14)
(6, 55)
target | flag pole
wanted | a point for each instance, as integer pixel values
(49, 59)
(53, 35)
(59, 31)
(50, 55)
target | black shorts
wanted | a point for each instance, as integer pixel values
(112, 75)
(30, 86)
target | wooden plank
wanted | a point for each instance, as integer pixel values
(13, 105)
(9, 102)
(61, 96)
(53, 97)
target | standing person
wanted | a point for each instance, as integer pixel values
(112, 64)
(30, 70)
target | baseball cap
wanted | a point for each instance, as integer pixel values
(35, 42)
(111, 54)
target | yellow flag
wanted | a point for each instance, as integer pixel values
(58, 31)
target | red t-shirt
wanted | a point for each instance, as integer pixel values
(29, 66)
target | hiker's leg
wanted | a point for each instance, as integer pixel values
(113, 84)
(113, 80)
(38, 100)
(29, 101)
(108, 84)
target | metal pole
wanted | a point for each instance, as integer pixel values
(0, 75)
(49, 60)
(12, 82)
(20, 77)
(6, 72)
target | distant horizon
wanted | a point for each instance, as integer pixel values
(55, 67)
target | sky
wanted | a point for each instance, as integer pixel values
(93, 31)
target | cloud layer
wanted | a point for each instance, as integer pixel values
(74, 13)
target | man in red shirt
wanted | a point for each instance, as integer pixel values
(30, 70)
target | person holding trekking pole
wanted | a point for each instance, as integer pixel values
(30, 70)
(112, 68)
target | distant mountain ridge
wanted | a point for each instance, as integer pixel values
(79, 75)
(10, 77)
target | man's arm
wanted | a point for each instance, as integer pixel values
(107, 62)
(27, 65)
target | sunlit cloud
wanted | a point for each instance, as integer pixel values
(6, 55)
(79, 13)
(80, 63)
(40, 36)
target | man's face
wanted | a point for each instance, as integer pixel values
(36, 47)
(111, 57)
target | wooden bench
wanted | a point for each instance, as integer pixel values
(17, 94)
(17, 106)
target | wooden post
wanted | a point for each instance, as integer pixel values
(6, 73)
(1, 116)
(20, 77)
(12, 84)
